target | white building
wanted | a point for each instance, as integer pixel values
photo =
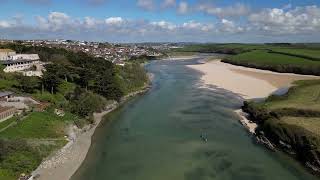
(19, 62)
(25, 56)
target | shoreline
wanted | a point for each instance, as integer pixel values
(173, 58)
(247, 83)
(64, 163)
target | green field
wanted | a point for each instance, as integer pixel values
(33, 138)
(310, 54)
(7, 122)
(38, 125)
(264, 59)
(306, 96)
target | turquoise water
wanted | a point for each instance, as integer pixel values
(157, 136)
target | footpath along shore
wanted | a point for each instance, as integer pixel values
(64, 163)
(248, 83)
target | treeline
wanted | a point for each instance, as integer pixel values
(295, 55)
(90, 73)
(288, 68)
(72, 77)
(211, 48)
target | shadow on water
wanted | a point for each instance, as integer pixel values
(158, 136)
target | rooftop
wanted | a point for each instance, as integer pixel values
(5, 93)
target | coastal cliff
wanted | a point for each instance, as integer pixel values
(290, 125)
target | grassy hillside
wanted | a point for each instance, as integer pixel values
(268, 60)
(283, 57)
(305, 95)
(311, 54)
(292, 119)
(39, 125)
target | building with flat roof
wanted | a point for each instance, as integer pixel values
(18, 62)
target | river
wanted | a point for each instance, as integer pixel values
(157, 136)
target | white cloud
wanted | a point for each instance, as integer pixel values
(230, 27)
(292, 21)
(164, 25)
(230, 11)
(301, 23)
(193, 25)
(146, 4)
(183, 7)
(58, 20)
(4, 24)
(114, 21)
(90, 22)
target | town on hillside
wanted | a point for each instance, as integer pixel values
(116, 53)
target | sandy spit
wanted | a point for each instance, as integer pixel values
(249, 83)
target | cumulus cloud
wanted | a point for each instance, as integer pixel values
(183, 7)
(164, 25)
(114, 21)
(292, 21)
(230, 11)
(230, 27)
(298, 22)
(90, 22)
(193, 25)
(146, 4)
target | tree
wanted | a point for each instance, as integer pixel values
(87, 103)
(107, 86)
(27, 84)
(50, 78)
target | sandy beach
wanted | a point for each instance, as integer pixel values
(249, 83)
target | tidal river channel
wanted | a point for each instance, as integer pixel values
(157, 136)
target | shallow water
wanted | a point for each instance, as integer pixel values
(157, 136)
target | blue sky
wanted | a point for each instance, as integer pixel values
(162, 20)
